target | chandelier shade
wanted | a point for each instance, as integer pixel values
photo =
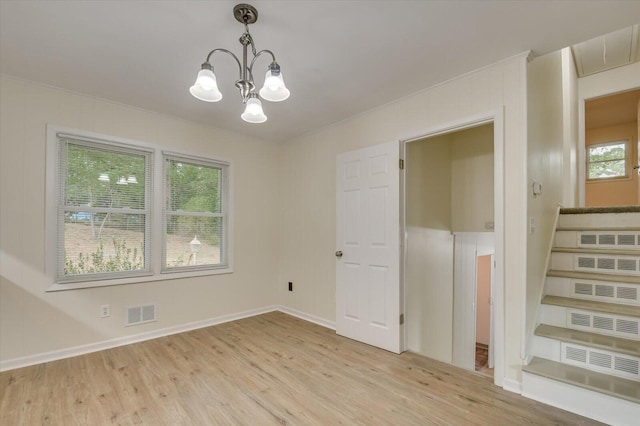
(206, 87)
(253, 111)
(274, 90)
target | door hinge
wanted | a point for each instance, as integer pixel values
(401, 319)
(401, 164)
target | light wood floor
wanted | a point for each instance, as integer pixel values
(269, 369)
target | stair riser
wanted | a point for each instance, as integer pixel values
(546, 348)
(601, 291)
(595, 322)
(620, 240)
(596, 263)
(595, 405)
(599, 220)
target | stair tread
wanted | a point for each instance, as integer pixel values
(628, 279)
(581, 250)
(592, 305)
(595, 340)
(596, 228)
(591, 380)
(600, 210)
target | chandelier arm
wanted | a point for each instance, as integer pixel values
(230, 53)
(273, 57)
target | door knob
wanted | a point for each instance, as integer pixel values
(338, 254)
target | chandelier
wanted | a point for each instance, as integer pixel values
(206, 88)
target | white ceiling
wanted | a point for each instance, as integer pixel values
(339, 58)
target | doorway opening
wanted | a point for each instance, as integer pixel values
(611, 147)
(484, 280)
(451, 214)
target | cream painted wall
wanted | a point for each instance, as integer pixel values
(307, 183)
(570, 129)
(429, 273)
(472, 179)
(429, 182)
(545, 165)
(33, 321)
(616, 192)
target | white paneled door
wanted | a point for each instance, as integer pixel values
(368, 246)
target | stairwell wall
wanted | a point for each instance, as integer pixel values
(545, 161)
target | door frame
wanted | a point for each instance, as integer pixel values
(496, 117)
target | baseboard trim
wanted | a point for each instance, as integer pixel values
(512, 386)
(12, 364)
(308, 317)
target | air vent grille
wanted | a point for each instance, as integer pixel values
(630, 293)
(627, 326)
(626, 240)
(576, 354)
(606, 263)
(606, 240)
(613, 363)
(140, 314)
(580, 320)
(583, 289)
(621, 239)
(587, 262)
(622, 264)
(608, 324)
(603, 291)
(602, 323)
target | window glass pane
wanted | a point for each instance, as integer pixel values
(607, 169)
(103, 178)
(193, 188)
(607, 152)
(103, 242)
(194, 241)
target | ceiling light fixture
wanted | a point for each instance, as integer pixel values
(274, 89)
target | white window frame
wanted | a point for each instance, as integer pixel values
(205, 162)
(156, 205)
(609, 178)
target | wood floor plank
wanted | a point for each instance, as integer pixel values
(268, 369)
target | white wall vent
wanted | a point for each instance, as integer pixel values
(141, 314)
(601, 323)
(612, 363)
(620, 265)
(621, 239)
(627, 294)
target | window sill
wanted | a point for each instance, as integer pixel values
(75, 285)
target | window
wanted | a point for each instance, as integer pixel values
(194, 214)
(108, 223)
(103, 210)
(608, 160)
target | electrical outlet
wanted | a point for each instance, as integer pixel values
(290, 286)
(105, 311)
